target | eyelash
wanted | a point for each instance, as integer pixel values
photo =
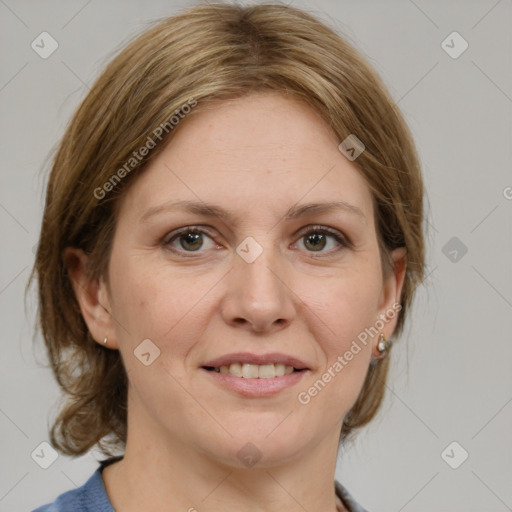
(313, 230)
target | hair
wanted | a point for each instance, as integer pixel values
(203, 55)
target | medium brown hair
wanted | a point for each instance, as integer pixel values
(207, 53)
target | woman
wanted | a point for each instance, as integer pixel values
(232, 234)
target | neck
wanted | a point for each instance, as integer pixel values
(157, 474)
(136, 483)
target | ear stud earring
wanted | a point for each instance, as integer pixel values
(383, 346)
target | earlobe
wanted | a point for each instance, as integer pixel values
(92, 297)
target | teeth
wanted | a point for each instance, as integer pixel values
(249, 371)
(254, 371)
(280, 369)
(235, 369)
(266, 371)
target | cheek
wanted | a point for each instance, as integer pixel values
(152, 302)
(346, 304)
(345, 312)
(342, 313)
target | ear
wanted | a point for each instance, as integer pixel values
(391, 292)
(92, 296)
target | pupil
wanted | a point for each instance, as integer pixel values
(195, 237)
(318, 237)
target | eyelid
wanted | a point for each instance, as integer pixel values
(187, 229)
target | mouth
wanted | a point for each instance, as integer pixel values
(247, 365)
(255, 375)
(254, 381)
(255, 371)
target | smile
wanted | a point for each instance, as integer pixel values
(254, 371)
(250, 385)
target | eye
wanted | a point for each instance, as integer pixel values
(189, 239)
(315, 239)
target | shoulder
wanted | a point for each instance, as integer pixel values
(347, 499)
(90, 497)
(70, 500)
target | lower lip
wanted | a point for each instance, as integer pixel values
(256, 388)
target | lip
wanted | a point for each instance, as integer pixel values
(255, 388)
(259, 359)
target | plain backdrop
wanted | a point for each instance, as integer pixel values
(449, 393)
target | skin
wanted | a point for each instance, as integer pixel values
(256, 156)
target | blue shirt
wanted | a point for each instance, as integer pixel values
(92, 496)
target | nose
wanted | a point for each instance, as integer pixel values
(257, 296)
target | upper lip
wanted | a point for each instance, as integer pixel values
(259, 359)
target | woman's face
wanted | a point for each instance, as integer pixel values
(253, 284)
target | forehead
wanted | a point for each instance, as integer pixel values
(263, 151)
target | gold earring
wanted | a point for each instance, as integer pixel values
(383, 346)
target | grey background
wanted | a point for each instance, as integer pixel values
(451, 377)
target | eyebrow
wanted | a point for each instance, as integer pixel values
(211, 210)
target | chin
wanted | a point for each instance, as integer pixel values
(269, 445)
